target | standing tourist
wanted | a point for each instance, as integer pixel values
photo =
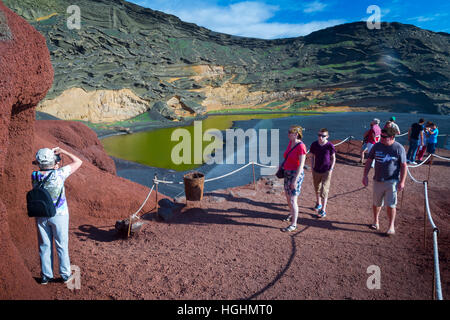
(389, 177)
(322, 163)
(432, 134)
(294, 156)
(56, 227)
(416, 139)
(391, 123)
(371, 137)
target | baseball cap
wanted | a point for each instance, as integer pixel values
(45, 156)
(392, 118)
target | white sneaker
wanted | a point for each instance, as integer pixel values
(414, 163)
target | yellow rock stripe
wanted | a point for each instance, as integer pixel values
(46, 17)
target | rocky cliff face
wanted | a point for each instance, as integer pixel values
(26, 75)
(159, 57)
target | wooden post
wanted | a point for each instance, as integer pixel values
(254, 179)
(129, 227)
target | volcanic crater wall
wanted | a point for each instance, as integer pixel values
(26, 74)
(93, 192)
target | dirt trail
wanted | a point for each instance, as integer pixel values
(229, 246)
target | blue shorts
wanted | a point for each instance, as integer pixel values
(289, 177)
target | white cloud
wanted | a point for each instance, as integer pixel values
(246, 19)
(315, 6)
(278, 30)
(428, 18)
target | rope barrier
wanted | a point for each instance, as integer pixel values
(441, 157)
(230, 173)
(418, 165)
(262, 165)
(148, 196)
(435, 229)
(350, 137)
(435, 245)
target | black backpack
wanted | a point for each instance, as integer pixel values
(39, 201)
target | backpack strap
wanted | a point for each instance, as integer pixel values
(43, 181)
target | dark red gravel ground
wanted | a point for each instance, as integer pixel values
(229, 246)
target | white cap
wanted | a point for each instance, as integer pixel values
(45, 156)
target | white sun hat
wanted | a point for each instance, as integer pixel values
(45, 156)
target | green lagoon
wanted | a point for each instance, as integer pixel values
(154, 148)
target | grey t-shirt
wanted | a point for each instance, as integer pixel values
(388, 160)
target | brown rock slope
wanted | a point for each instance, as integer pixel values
(229, 246)
(26, 75)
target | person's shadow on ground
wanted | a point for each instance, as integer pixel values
(95, 233)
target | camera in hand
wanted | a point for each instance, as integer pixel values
(57, 157)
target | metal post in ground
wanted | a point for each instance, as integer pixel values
(425, 219)
(155, 181)
(434, 285)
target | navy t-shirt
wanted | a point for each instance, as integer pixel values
(415, 131)
(322, 154)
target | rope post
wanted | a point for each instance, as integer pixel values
(425, 219)
(254, 180)
(155, 181)
(129, 227)
(434, 285)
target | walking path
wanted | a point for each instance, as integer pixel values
(229, 246)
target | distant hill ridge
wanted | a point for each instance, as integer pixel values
(181, 69)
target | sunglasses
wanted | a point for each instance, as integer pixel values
(385, 137)
(322, 135)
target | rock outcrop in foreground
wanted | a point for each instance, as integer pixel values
(94, 191)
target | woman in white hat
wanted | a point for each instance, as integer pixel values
(56, 227)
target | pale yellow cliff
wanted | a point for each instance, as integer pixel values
(95, 106)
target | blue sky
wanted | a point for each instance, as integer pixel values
(270, 19)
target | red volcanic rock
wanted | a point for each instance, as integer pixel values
(94, 190)
(26, 74)
(77, 136)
